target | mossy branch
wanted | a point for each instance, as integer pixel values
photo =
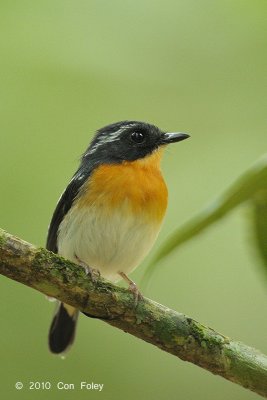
(167, 329)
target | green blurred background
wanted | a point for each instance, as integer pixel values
(70, 67)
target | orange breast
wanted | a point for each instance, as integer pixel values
(139, 183)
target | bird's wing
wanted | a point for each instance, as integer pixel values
(64, 204)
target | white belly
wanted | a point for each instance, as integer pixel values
(110, 242)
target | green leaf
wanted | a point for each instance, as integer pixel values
(260, 224)
(246, 187)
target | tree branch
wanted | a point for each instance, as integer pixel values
(167, 329)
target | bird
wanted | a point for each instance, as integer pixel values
(111, 212)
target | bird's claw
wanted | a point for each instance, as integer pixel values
(132, 288)
(92, 272)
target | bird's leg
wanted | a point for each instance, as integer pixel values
(132, 287)
(94, 273)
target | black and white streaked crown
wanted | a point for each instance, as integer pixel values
(127, 141)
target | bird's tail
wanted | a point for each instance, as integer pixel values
(62, 329)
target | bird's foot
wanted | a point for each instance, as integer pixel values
(92, 272)
(132, 288)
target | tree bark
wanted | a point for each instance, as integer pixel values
(169, 330)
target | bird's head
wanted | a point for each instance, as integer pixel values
(128, 141)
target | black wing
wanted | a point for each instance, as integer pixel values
(64, 204)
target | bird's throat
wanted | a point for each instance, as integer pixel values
(138, 183)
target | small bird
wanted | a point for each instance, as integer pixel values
(110, 214)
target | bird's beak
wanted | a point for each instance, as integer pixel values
(173, 137)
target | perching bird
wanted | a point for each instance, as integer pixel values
(111, 212)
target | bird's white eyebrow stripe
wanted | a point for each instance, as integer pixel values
(109, 139)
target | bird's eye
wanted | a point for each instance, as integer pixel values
(138, 137)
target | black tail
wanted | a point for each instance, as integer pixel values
(62, 329)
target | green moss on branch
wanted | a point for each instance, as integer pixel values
(169, 330)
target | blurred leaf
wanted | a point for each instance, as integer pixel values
(260, 224)
(251, 185)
